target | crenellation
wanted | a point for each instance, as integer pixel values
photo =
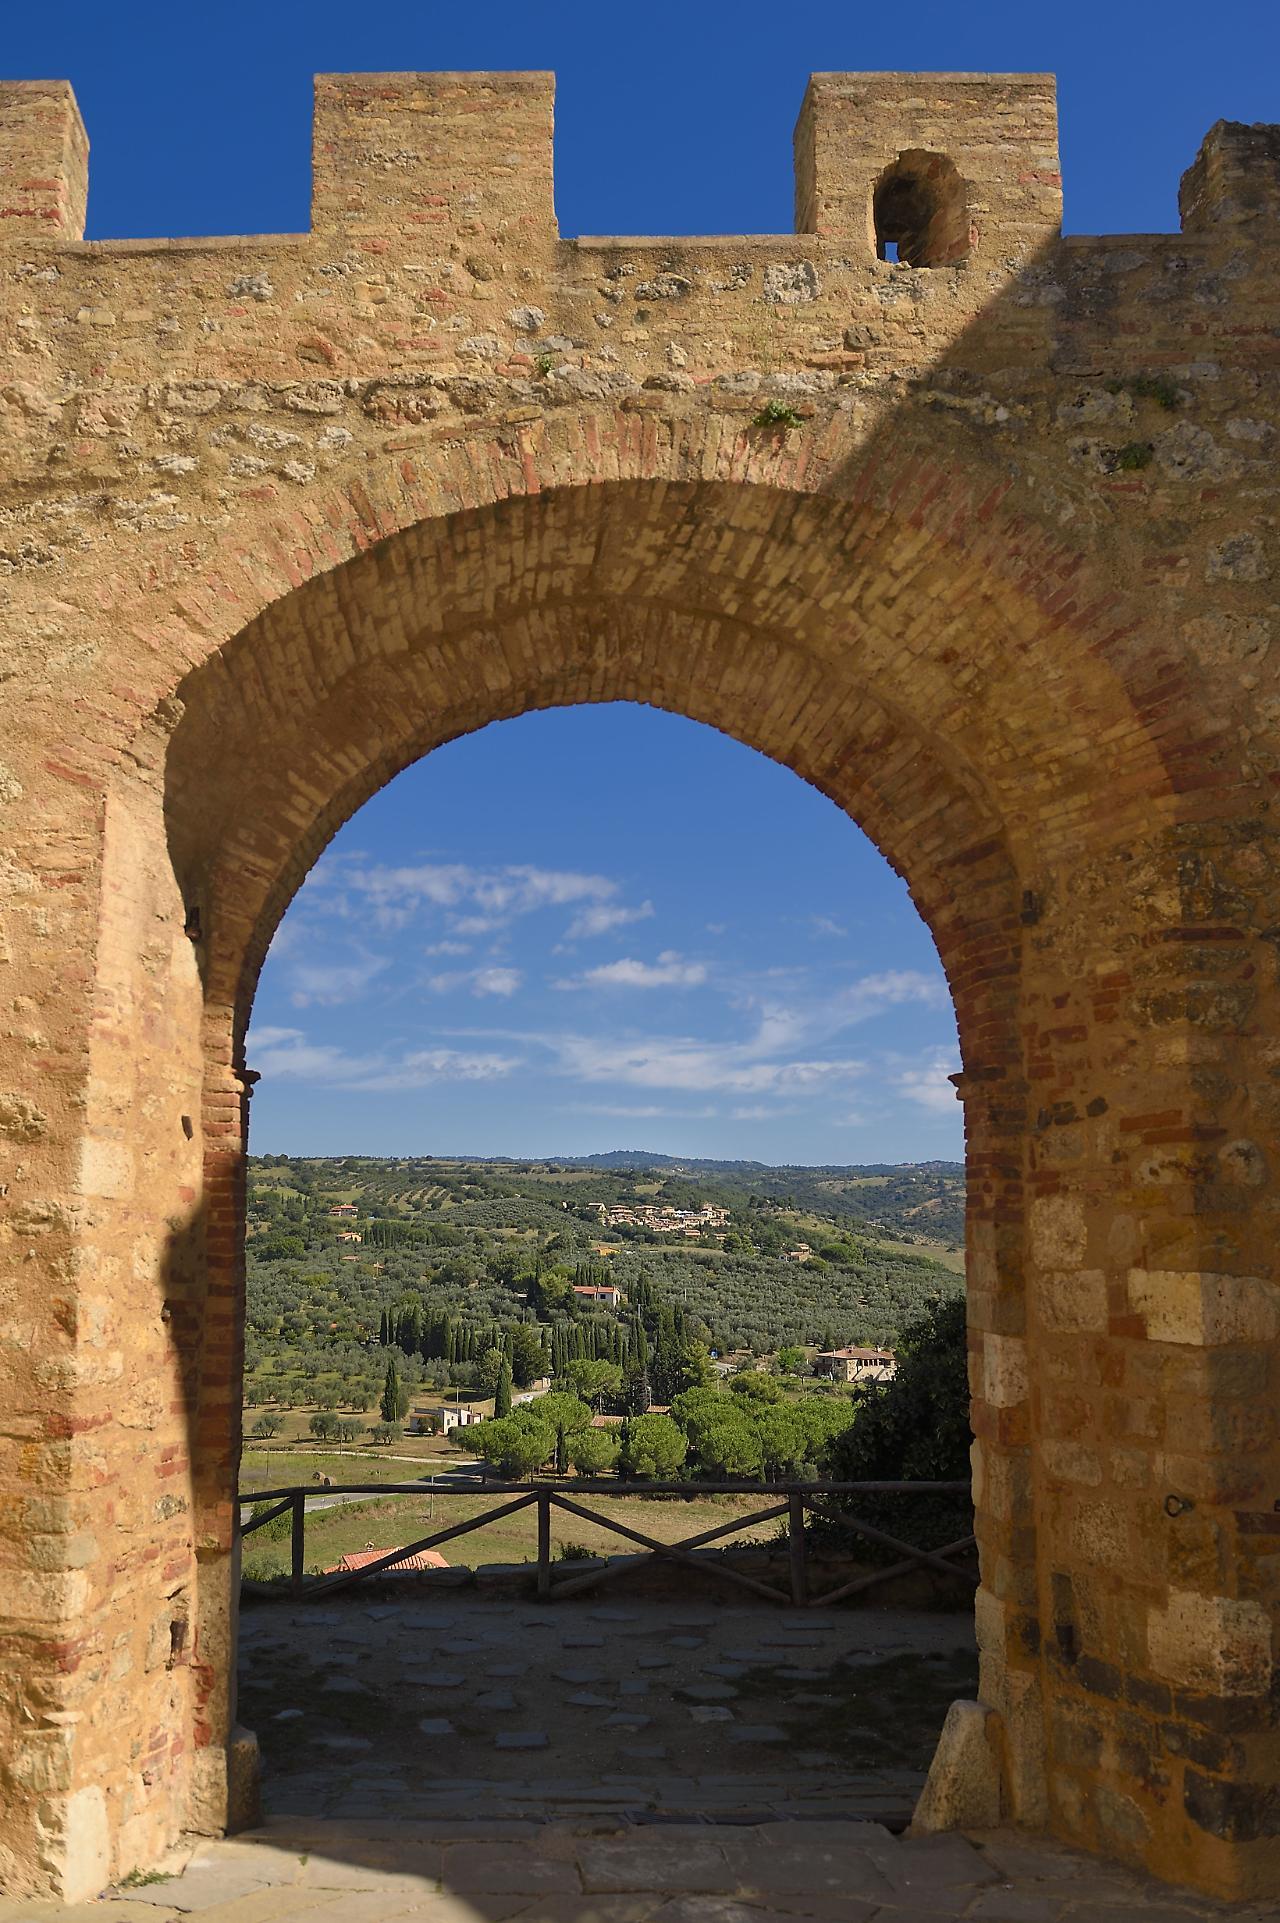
(994, 135)
(44, 163)
(1234, 180)
(461, 157)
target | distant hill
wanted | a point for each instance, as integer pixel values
(637, 1158)
(912, 1202)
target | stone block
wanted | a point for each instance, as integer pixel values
(1205, 1310)
(244, 1780)
(1211, 1643)
(1072, 1301)
(962, 1790)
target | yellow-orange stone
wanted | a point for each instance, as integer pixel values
(980, 540)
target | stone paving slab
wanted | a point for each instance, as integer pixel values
(570, 1672)
(597, 1869)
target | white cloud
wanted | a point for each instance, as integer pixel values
(680, 1062)
(329, 983)
(601, 919)
(496, 981)
(757, 1113)
(285, 1053)
(825, 925)
(646, 1111)
(443, 984)
(477, 900)
(481, 981)
(790, 1052)
(272, 1037)
(927, 1083)
(448, 948)
(669, 971)
(476, 924)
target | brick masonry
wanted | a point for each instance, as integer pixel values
(278, 515)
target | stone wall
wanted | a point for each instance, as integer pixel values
(985, 549)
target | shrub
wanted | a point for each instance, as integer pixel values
(915, 1427)
(652, 1446)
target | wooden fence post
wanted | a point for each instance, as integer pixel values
(795, 1547)
(298, 1514)
(544, 1542)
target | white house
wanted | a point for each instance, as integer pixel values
(857, 1365)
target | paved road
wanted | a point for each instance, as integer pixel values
(450, 1472)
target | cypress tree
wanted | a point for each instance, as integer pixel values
(391, 1395)
(562, 1451)
(502, 1394)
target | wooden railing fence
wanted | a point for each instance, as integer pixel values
(827, 1501)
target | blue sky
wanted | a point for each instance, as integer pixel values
(596, 928)
(613, 927)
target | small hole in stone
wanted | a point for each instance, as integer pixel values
(188, 1128)
(177, 1640)
(920, 211)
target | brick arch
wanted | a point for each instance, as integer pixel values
(902, 633)
(934, 516)
(965, 621)
(926, 657)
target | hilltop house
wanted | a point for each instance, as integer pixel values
(345, 1211)
(857, 1365)
(442, 1422)
(800, 1253)
(604, 1296)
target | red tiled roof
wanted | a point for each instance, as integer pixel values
(361, 1558)
(859, 1355)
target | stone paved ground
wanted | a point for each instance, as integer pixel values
(478, 1760)
(421, 1704)
(297, 1870)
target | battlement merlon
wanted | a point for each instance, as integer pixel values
(1234, 180)
(462, 155)
(44, 162)
(957, 163)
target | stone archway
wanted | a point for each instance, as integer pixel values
(981, 550)
(896, 675)
(901, 673)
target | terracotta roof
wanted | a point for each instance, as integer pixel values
(361, 1558)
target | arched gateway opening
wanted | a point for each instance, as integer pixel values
(829, 640)
(595, 929)
(942, 676)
